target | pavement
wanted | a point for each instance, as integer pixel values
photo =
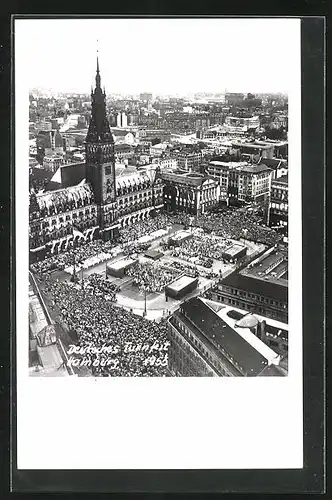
(157, 306)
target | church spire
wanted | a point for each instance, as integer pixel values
(99, 127)
(98, 74)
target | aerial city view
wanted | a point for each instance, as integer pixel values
(158, 233)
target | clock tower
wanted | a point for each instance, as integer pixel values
(100, 162)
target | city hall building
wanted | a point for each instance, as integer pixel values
(95, 197)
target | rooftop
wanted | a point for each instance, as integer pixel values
(230, 164)
(255, 169)
(130, 176)
(272, 265)
(273, 371)
(223, 337)
(81, 191)
(252, 145)
(121, 264)
(181, 283)
(267, 288)
(180, 235)
(124, 170)
(234, 249)
(153, 254)
(118, 132)
(243, 327)
(271, 162)
(282, 180)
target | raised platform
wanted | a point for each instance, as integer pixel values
(180, 287)
(235, 251)
(153, 254)
(180, 237)
(118, 268)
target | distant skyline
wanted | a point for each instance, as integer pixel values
(45, 92)
(161, 56)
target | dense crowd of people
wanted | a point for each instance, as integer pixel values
(78, 254)
(229, 224)
(188, 252)
(134, 247)
(151, 277)
(202, 249)
(124, 344)
(97, 285)
(235, 225)
(188, 269)
(89, 307)
(142, 228)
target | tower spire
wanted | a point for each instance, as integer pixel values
(99, 128)
(98, 72)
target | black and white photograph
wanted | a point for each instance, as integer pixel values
(158, 218)
(158, 222)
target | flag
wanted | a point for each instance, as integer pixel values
(76, 232)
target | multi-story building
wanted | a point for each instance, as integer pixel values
(249, 123)
(97, 199)
(261, 287)
(279, 203)
(187, 192)
(241, 182)
(188, 159)
(123, 151)
(49, 142)
(138, 195)
(186, 123)
(158, 150)
(233, 98)
(278, 166)
(279, 121)
(146, 97)
(52, 163)
(207, 340)
(251, 149)
(167, 162)
(279, 148)
(123, 135)
(44, 125)
(32, 162)
(122, 120)
(151, 134)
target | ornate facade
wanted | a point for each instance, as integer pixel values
(99, 205)
(191, 193)
(100, 162)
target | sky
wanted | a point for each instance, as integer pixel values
(162, 56)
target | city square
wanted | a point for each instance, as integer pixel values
(133, 228)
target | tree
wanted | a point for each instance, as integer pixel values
(275, 133)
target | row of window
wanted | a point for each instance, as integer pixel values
(253, 308)
(69, 217)
(207, 353)
(243, 293)
(135, 197)
(184, 355)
